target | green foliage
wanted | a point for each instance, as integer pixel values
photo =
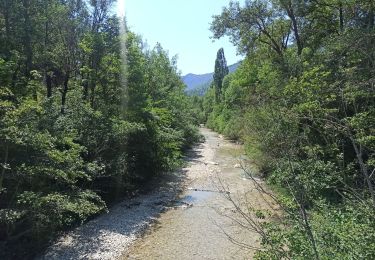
(346, 231)
(342, 232)
(303, 103)
(82, 122)
(221, 70)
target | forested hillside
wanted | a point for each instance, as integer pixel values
(80, 125)
(303, 103)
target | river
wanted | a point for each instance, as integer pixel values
(186, 215)
(201, 225)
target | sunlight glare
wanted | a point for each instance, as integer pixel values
(121, 8)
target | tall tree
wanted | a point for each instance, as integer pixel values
(306, 116)
(221, 70)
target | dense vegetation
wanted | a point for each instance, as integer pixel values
(302, 101)
(81, 123)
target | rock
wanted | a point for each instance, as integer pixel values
(237, 165)
(153, 220)
(212, 163)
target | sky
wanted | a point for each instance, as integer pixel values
(182, 28)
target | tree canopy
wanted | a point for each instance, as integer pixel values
(81, 124)
(302, 101)
(221, 70)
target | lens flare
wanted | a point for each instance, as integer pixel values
(121, 8)
(123, 52)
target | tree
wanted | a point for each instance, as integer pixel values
(69, 144)
(221, 70)
(255, 23)
(304, 97)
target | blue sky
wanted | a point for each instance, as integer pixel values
(182, 28)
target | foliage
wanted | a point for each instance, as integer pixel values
(221, 70)
(303, 103)
(80, 125)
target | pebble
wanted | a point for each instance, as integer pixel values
(107, 236)
(212, 163)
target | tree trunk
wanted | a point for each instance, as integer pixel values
(27, 37)
(64, 92)
(92, 97)
(4, 166)
(371, 20)
(308, 229)
(85, 90)
(7, 28)
(359, 152)
(292, 17)
(49, 85)
(341, 13)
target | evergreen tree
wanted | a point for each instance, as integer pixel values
(221, 70)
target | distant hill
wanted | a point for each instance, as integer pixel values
(192, 81)
(199, 90)
(199, 83)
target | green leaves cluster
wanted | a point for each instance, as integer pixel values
(82, 122)
(302, 101)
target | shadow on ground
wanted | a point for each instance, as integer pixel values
(106, 236)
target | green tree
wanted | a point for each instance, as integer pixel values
(306, 106)
(221, 70)
(81, 124)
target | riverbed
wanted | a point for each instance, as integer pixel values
(189, 214)
(202, 224)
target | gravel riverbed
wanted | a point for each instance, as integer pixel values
(109, 235)
(187, 217)
(106, 236)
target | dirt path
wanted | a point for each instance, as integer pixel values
(198, 227)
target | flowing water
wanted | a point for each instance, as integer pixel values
(201, 225)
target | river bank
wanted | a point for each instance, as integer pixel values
(188, 217)
(209, 227)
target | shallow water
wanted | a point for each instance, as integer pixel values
(197, 226)
(196, 197)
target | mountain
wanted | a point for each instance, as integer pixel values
(192, 81)
(199, 83)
